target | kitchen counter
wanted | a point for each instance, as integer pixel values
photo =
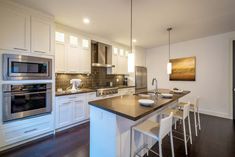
(112, 119)
(87, 90)
(129, 107)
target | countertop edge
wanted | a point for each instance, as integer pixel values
(125, 115)
(92, 103)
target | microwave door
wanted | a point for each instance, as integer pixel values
(22, 68)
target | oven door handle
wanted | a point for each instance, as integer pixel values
(22, 94)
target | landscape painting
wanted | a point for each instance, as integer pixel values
(183, 69)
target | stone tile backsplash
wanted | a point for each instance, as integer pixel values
(97, 78)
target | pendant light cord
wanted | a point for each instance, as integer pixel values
(169, 40)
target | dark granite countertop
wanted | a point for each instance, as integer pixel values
(86, 90)
(129, 107)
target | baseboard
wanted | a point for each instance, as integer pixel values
(217, 114)
(72, 125)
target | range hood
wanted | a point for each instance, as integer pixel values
(101, 55)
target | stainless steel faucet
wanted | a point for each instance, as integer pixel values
(156, 87)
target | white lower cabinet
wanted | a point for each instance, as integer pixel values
(90, 97)
(18, 131)
(79, 108)
(70, 109)
(63, 113)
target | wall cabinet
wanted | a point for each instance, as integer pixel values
(120, 60)
(15, 30)
(70, 58)
(40, 35)
(23, 32)
(60, 57)
(122, 66)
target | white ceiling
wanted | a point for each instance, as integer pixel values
(111, 18)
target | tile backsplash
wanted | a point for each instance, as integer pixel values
(97, 78)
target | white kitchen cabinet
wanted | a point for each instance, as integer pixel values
(73, 59)
(84, 61)
(90, 97)
(60, 57)
(18, 131)
(41, 32)
(115, 63)
(79, 108)
(70, 110)
(122, 66)
(64, 112)
(15, 30)
(25, 30)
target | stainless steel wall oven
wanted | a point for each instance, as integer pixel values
(18, 67)
(20, 101)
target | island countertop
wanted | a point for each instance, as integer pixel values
(129, 107)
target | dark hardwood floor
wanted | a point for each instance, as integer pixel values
(216, 139)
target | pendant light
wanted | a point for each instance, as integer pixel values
(131, 57)
(169, 64)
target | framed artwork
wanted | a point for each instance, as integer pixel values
(183, 69)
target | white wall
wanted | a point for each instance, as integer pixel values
(213, 71)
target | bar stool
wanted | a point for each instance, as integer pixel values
(182, 115)
(195, 108)
(156, 131)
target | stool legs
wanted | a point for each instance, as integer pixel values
(172, 145)
(160, 148)
(195, 122)
(199, 120)
(190, 132)
(185, 138)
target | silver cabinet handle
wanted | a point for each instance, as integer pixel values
(22, 94)
(20, 49)
(28, 131)
(40, 51)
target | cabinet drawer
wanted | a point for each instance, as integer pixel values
(16, 134)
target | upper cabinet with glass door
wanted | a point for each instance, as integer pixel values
(72, 53)
(25, 31)
(120, 60)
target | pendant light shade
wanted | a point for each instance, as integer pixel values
(169, 64)
(169, 68)
(131, 62)
(131, 56)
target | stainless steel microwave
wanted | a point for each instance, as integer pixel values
(19, 67)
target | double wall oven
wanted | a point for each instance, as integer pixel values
(20, 99)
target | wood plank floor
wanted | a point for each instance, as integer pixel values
(216, 139)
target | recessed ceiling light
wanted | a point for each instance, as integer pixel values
(86, 20)
(134, 40)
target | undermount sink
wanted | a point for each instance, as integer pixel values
(147, 94)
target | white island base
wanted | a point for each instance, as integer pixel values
(110, 133)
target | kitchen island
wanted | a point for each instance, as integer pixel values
(111, 121)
